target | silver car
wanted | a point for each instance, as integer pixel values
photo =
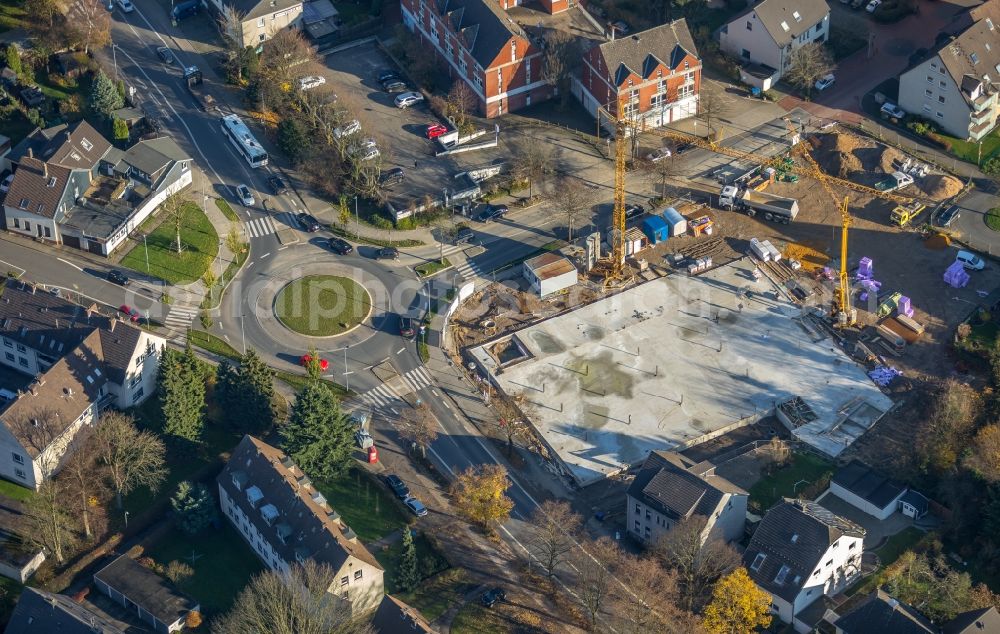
(407, 99)
(245, 196)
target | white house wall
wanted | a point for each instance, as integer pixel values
(149, 206)
(761, 45)
(863, 504)
(921, 97)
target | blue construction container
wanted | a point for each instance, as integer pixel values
(656, 229)
(675, 221)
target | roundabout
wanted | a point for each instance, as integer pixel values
(322, 305)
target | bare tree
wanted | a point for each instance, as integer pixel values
(710, 106)
(84, 478)
(460, 102)
(646, 599)
(41, 433)
(173, 210)
(133, 458)
(698, 564)
(92, 22)
(560, 54)
(533, 162)
(419, 427)
(572, 200)
(230, 22)
(554, 529)
(47, 521)
(595, 576)
(660, 171)
(293, 602)
(806, 64)
(286, 56)
(510, 423)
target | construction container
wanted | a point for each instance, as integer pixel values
(911, 324)
(676, 223)
(635, 241)
(894, 338)
(656, 229)
(775, 254)
(759, 250)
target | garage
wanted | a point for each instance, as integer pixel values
(95, 247)
(71, 241)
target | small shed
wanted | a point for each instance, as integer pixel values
(914, 504)
(635, 241)
(549, 273)
(70, 65)
(676, 223)
(131, 116)
(866, 489)
(656, 229)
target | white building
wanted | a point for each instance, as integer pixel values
(867, 490)
(82, 363)
(766, 34)
(800, 553)
(549, 273)
(261, 19)
(274, 506)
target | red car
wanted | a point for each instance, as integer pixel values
(132, 313)
(435, 130)
(306, 360)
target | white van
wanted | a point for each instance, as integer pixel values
(970, 260)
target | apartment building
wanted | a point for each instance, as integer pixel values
(261, 19)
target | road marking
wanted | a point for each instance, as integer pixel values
(265, 255)
(435, 393)
(12, 267)
(71, 264)
(394, 411)
(401, 350)
(446, 406)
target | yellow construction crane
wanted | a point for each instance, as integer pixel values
(613, 267)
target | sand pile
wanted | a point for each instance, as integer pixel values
(835, 154)
(937, 242)
(889, 155)
(941, 186)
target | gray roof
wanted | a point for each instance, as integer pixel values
(395, 617)
(148, 590)
(972, 55)
(481, 25)
(37, 187)
(78, 146)
(879, 613)
(868, 484)
(154, 155)
(253, 9)
(917, 500)
(41, 611)
(776, 14)
(677, 487)
(794, 534)
(642, 52)
(984, 621)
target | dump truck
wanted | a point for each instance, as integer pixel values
(894, 181)
(196, 86)
(750, 202)
(901, 215)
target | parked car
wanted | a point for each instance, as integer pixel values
(464, 235)
(394, 84)
(857, 4)
(391, 176)
(117, 277)
(339, 245)
(681, 148)
(132, 313)
(874, 4)
(435, 130)
(311, 81)
(658, 154)
(243, 193)
(5, 185)
(306, 359)
(824, 82)
(277, 184)
(365, 152)
(386, 74)
(308, 222)
(970, 260)
(393, 482)
(349, 128)
(126, 6)
(415, 506)
(363, 439)
(493, 212)
(491, 596)
(406, 327)
(892, 110)
(165, 54)
(387, 253)
(408, 99)
(948, 216)
(634, 211)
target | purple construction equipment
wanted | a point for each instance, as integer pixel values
(904, 307)
(956, 276)
(864, 269)
(869, 286)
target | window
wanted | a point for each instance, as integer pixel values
(450, 47)
(782, 575)
(745, 54)
(829, 563)
(263, 37)
(941, 69)
(22, 361)
(749, 25)
(648, 516)
(928, 93)
(637, 525)
(17, 223)
(930, 80)
(10, 356)
(657, 100)
(21, 474)
(138, 395)
(685, 91)
(942, 84)
(851, 547)
(479, 80)
(784, 26)
(7, 343)
(27, 226)
(795, 14)
(500, 79)
(637, 511)
(634, 95)
(933, 66)
(134, 381)
(758, 561)
(974, 58)
(344, 581)
(513, 51)
(939, 114)
(260, 23)
(357, 575)
(940, 98)
(463, 65)
(926, 108)
(18, 458)
(48, 232)
(661, 86)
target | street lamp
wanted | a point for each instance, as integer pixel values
(243, 333)
(357, 223)
(347, 375)
(146, 251)
(126, 519)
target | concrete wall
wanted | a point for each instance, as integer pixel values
(863, 504)
(26, 223)
(23, 572)
(181, 171)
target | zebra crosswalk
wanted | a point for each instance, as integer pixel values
(468, 270)
(179, 319)
(385, 395)
(259, 227)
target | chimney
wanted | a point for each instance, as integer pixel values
(68, 134)
(45, 170)
(31, 153)
(111, 326)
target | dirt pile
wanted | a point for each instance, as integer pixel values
(835, 154)
(937, 242)
(889, 156)
(941, 186)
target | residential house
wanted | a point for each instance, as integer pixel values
(766, 34)
(655, 76)
(879, 613)
(38, 610)
(800, 553)
(481, 46)
(982, 621)
(955, 87)
(150, 597)
(19, 558)
(395, 617)
(72, 187)
(282, 516)
(82, 363)
(876, 494)
(260, 20)
(670, 488)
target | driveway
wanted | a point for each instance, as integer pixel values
(876, 531)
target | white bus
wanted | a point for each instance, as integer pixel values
(243, 140)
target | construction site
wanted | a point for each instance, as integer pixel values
(806, 282)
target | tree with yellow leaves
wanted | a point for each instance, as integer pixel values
(479, 495)
(738, 606)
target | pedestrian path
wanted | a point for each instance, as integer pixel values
(384, 396)
(468, 270)
(178, 320)
(259, 227)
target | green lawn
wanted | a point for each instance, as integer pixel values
(969, 150)
(12, 15)
(337, 230)
(211, 343)
(435, 595)
(365, 505)
(432, 267)
(475, 618)
(16, 126)
(223, 564)
(199, 246)
(769, 489)
(322, 305)
(226, 210)
(898, 544)
(10, 490)
(993, 219)
(10, 591)
(429, 561)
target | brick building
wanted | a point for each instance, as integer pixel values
(484, 48)
(655, 74)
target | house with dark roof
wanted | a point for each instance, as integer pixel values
(955, 87)
(653, 76)
(766, 35)
(800, 553)
(38, 610)
(880, 613)
(286, 520)
(149, 597)
(72, 187)
(861, 486)
(79, 362)
(983, 621)
(670, 488)
(261, 19)
(480, 45)
(395, 617)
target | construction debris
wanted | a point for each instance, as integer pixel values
(883, 375)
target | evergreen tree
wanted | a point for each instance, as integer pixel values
(194, 506)
(120, 129)
(246, 393)
(227, 392)
(182, 394)
(104, 97)
(408, 577)
(120, 87)
(318, 436)
(292, 139)
(14, 60)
